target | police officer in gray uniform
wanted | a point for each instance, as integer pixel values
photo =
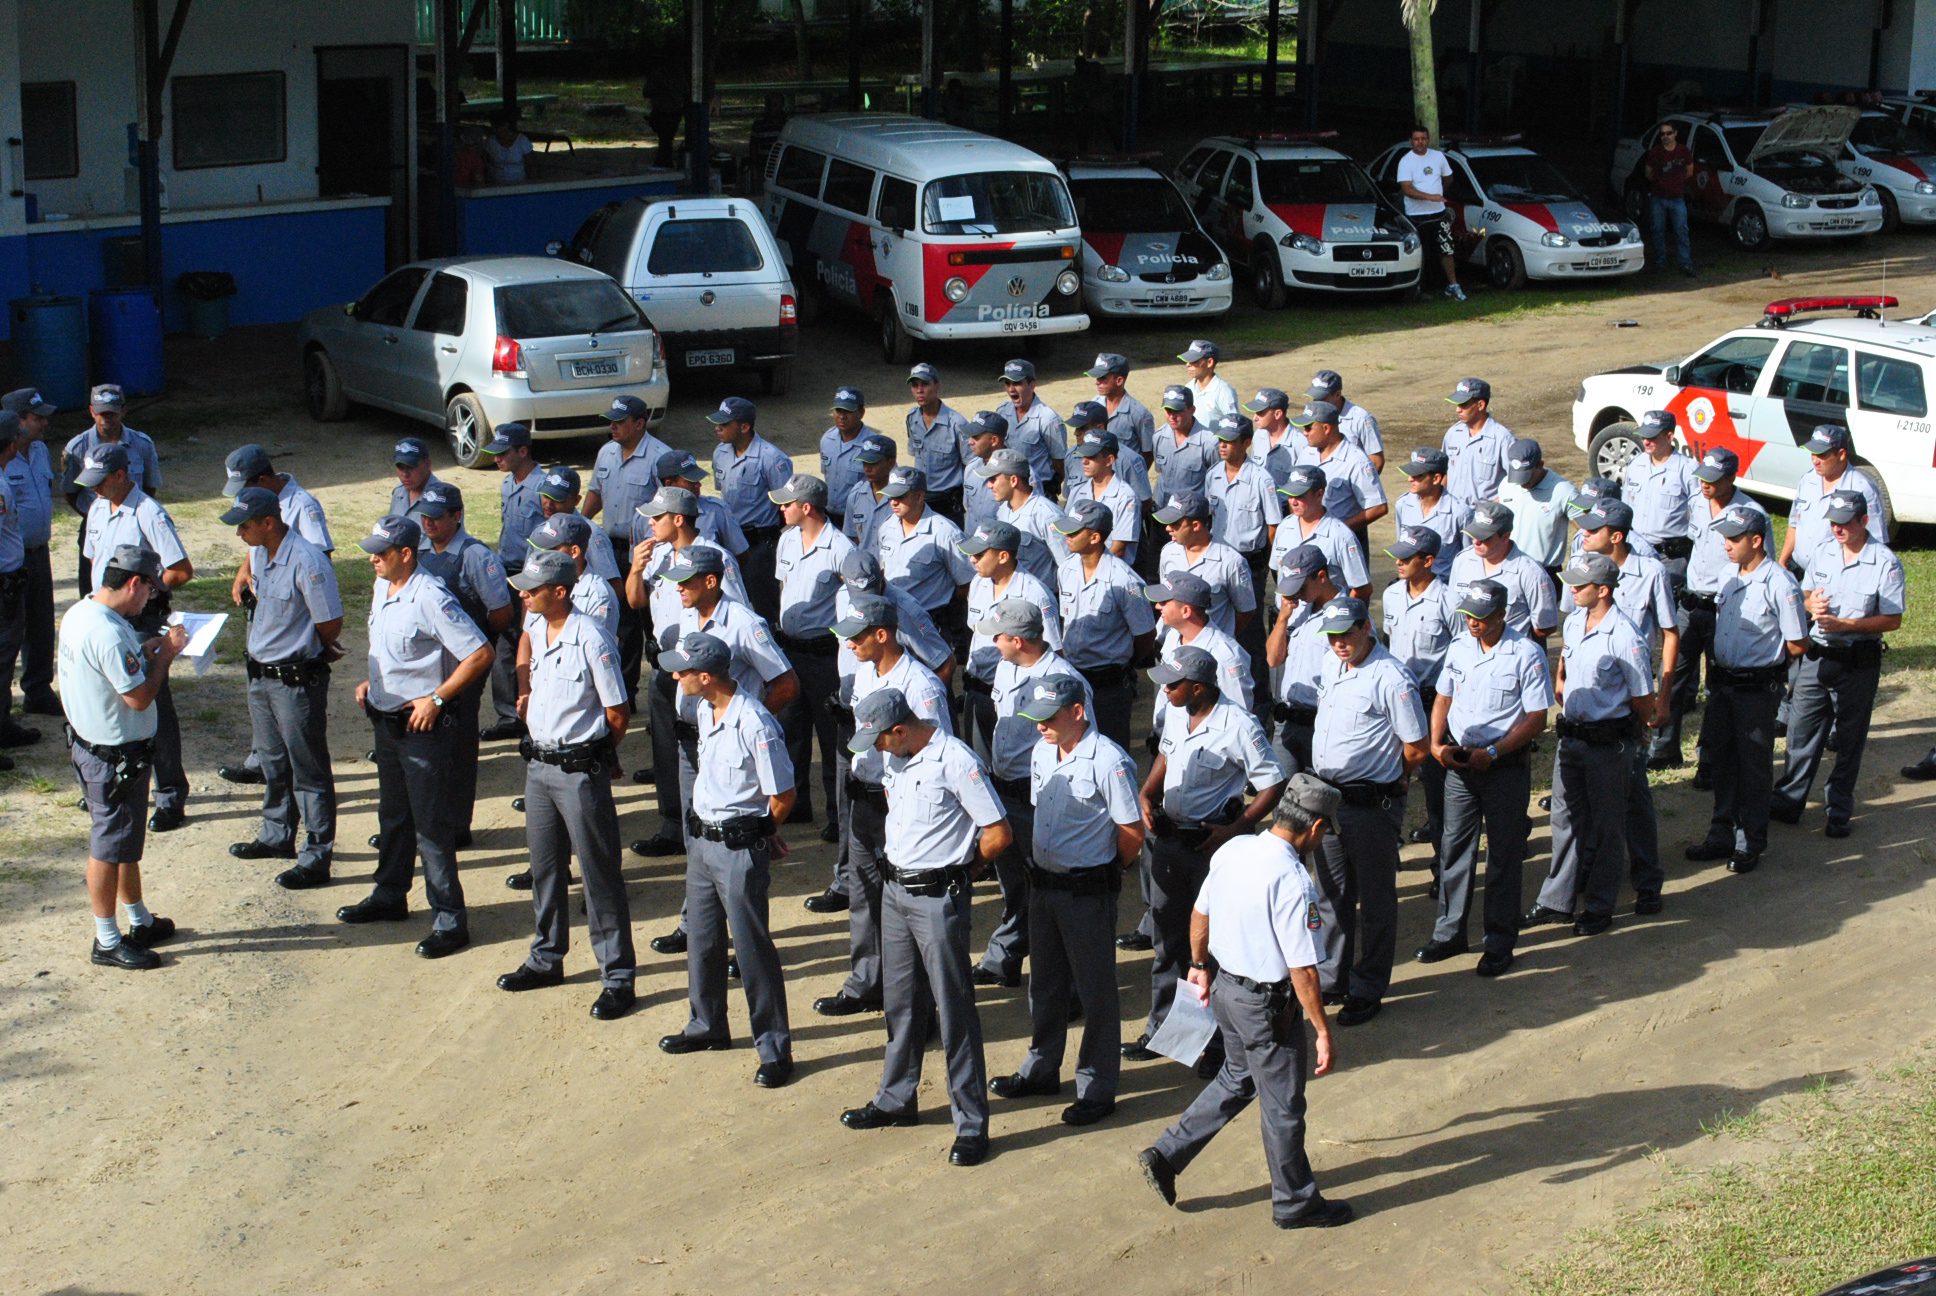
(32, 477)
(945, 824)
(13, 589)
(741, 793)
(107, 404)
(1421, 623)
(1370, 735)
(572, 700)
(520, 511)
(424, 651)
(1088, 829)
(1108, 626)
(806, 561)
(294, 635)
(1853, 589)
(1494, 693)
(1210, 750)
(411, 458)
(1758, 627)
(1252, 957)
(110, 677)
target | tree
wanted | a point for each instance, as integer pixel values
(1425, 84)
(802, 47)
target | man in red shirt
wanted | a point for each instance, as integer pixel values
(1668, 165)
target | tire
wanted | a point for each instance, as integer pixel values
(777, 380)
(322, 389)
(1875, 475)
(896, 346)
(1634, 200)
(1749, 227)
(1266, 275)
(467, 429)
(1891, 214)
(1613, 447)
(1505, 267)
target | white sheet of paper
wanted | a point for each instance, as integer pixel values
(956, 208)
(202, 629)
(1187, 1029)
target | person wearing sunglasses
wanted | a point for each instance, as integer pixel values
(1669, 166)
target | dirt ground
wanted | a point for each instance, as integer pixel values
(292, 1105)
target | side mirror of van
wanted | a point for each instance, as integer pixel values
(1671, 375)
(554, 247)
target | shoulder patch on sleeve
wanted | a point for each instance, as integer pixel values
(131, 661)
(453, 613)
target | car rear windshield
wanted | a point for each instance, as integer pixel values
(1521, 178)
(1314, 180)
(558, 307)
(703, 247)
(1128, 205)
(996, 202)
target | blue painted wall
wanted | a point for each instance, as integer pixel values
(521, 223)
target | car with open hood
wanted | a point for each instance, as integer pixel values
(1296, 213)
(1762, 175)
(1893, 147)
(1143, 253)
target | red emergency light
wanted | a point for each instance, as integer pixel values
(1777, 313)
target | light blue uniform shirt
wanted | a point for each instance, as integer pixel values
(1366, 715)
(139, 521)
(1233, 669)
(1181, 466)
(1351, 484)
(978, 502)
(1448, 519)
(938, 801)
(144, 464)
(1125, 508)
(1133, 469)
(520, 511)
(294, 592)
(924, 692)
(1015, 737)
(1420, 631)
(1663, 496)
(717, 524)
(99, 659)
(1224, 570)
(1478, 460)
(1103, 614)
(469, 569)
(1493, 691)
(742, 760)
(1041, 542)
(662, 596)
(1756, 614)
(927, 560)
(1530, 604)
(1277, 457)
(1242, 512)
(417, 634)
(624, 482)
(1359, 426)
(866, 514)
(757, 659)
(1133, 424)
(1205, 767)
(939, 449)
(840, 460)
(13, 550)
(917, 635)
(809, 576)
(983, 657)
(1870, 584)
(1808, 515)
(593, 596)
(1606, 667)
(1307, 649)
(32, 480)
(573, 679)
(599, 558)
(1540, 517)
(745, 479)
(1646, 594)
(303, 514)
(1080, 799)
(1708, 567)
(1041, 435)
(1344, 557)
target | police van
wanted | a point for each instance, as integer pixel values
(934, 231)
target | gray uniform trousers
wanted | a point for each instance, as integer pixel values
(668, 781)
(1494, 801)
(1072, 950)
(807, 718)
(1829, 697)
(1561, 890)
(860, 878)
(1265, 1057)
(291, 740)
(462, 787)
(37, 654)
(978, 714)
(1008, 944)
(567, 814)
(1431, 777)
(1357, 878)
(728, 888)
(1176, 875)
(1739, 733)
(924, 971)
(415, 818)
(1294, 740)
(1697, 641)
(171, 780)
(1596, 806)
(504, 673)
(13, 635)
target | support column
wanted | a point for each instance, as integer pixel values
(507, 55)
(1270, 62)
(699, 146)
(1132, 71)
(1004, 83)
(856, 9)
(448, 64)
(1475, 63)
(1622, 65)
(930, 63)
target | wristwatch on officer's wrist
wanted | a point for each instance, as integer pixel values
(436, 700)
(1200, 967)
(1492, 751)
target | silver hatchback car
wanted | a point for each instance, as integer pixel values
(469, 343)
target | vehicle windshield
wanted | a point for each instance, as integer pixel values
(1743, 138)
(1314, 180)
(560, 307)
(1887, 135)
(702, 247)
(996, 202)
(1521, 178)
(1130, 205)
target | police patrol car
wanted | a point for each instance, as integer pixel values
(1296, 213)
(1764, 177)
(1516, 215)
(1760, 390)
(1894, 148)
(1143, 252)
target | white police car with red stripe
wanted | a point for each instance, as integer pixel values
(1895, 151)
(1143, 252)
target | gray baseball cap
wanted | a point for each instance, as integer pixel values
(560, 481)
(1591, 569)
(409, 452)
(698, 651)
(869, 612)
(1482, 598)
(992, 534)
(1012, 616)
(244, 465)
(1095, 444)
(1049, 695)
(874, 448)
(678, 464)
(801, 488)
(559, 530)
(251, 502)
(988, 423)
(1425, 461)
(1323, 383)
(849, 400)
(508, 436)
(1489, 518)
(1181, 587)
(1184, 662)
(1315, 412)
(876, 714)
(1268, 398)
(1846, 506)
(1016, 371)
(1003, 461)
(1656, 423)
(1312, 795)
(904, 481)
(1341, 614)
(1525, 461)
(28, 400)
(861, 570)
(1178, 397)
(1469, 390)
(547, 567)
(392, 532)
(671, 499)
(1087, 515)
(1413, 541)
(1302, 480)
(102, 462)
(1183, 504)
(1108, 363)
(1233, 427)
(1297, 567)
(107, 396)
(1827, 438)
(626, 407)
(734, 409)
(136, 559)
(1614, 513)
(1716, 464)
(1087, 414)
(1738, 521)
(439, 499)
(694, 561)
(923, 372)
(1200, 349)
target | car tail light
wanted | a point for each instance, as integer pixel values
(789, 312)
(507, 357)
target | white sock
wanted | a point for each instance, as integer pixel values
(106, 934)
(138, 915)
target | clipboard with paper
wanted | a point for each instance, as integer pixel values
(203, 628)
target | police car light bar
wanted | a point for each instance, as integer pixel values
(1513, 137)
(1290, 137)
(1778, 312)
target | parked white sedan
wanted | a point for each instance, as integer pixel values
(468, 343)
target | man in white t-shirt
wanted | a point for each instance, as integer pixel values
(1421, 179)
(505, 152)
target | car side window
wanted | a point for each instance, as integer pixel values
(800, 171)
(1890, 386)
(443, 306)
(1813, 373)
(849, 187)
(895, 207)
(1732, 365)
(1211, 180)
(1707, 148)
(1240, 189)
(389, 301)
(1187, 170)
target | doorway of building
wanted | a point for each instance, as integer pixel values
(363, 137)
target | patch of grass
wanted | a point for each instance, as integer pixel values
(1854, 1194)
(1734, 1124)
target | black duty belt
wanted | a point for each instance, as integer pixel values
(1105, 677)
(741, 832)
(1100, 880)
(1259, 987)
(1182, 832)
(927, 881)
(1695, 601)
(1600, 733)
(819, 646)
(140, 749)
(872, 794)
(1299, 715)
(1367, 793)
(398, 721)
(1676, 548)
(1748, 678)
(1507, 760)
(579, 758)
(1013, 787)
(296, 674)
(975, 684)
(1863, 654)
(841, 711)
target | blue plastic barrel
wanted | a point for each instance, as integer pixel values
(126, 324)
(50, 348)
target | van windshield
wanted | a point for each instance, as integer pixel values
(996, 202)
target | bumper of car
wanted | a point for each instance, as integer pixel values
(1544, 262)
(1815, 222)
(1131, 300)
